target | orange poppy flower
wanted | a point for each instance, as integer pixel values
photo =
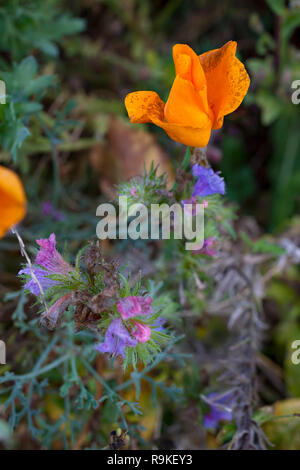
(12, 200)
(205, 89)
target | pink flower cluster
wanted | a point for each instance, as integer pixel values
(128, 330)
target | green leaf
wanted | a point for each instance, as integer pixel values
(290, 23)
(277, 6)
(271, 107)
(20, 133)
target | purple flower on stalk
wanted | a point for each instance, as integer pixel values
(206, 248)
(133, 191)
(49, 258)
(158, 324)
(49, 210)
(117, 338)
(41, 275)
(208, 182)
(49, 262)
(220, 409)
(130, 307)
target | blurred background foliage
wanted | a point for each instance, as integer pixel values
(67, 66)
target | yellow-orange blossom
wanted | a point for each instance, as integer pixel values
(205, 89)
(12, 200)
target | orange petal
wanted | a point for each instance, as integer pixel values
(146, 106)
(184, 105)
(191, 136)
(227, 81)
(142, 106)
(188, 66)
(12, 200)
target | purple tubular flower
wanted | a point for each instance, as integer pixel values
(49, 258)
(117, 338)
(206, 250)
(49, 210)
(220, 409)
(59, 216)
(208, 182)
(130, 307)
(41, 275)
(190, 205)
(52, 262)
(133, 191)
(158, 324)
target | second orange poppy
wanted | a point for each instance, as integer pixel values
(12, 200)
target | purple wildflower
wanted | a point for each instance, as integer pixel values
(49, 258)
(208, 182)
(133, 191)
(206, 250)
(117, 338)
(52, 262)
(158, 324)
(220, 409)
(49, 210)
(41, 275)
(130, 307)
(59, 216)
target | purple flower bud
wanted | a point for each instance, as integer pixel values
(133, 191)
(220, 409)
(206, 250)
(51, 318)
(49, 210)
(130, 307)
(141, 331)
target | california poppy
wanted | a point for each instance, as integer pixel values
(205, 89)
(12, 200)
